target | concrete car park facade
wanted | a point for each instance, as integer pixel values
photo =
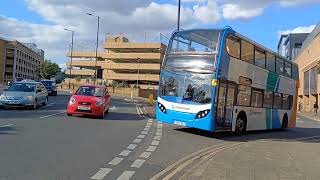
(136, 63)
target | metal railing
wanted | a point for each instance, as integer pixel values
(142, 36)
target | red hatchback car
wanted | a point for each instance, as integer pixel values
(89, 100)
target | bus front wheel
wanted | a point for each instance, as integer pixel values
(241, 124)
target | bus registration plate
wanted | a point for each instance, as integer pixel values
(180, 123)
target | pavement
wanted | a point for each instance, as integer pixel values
(289, 154)
(130, 144)
(311, 115)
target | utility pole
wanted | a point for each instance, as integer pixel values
(97, 45)
(71, 55)
(179, 5)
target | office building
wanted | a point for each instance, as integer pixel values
(18, 60)
(290, 44)
(308, 61)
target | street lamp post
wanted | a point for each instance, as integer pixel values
(98, 26)
(179, 5)
(71, 55)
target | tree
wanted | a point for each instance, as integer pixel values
(48, 69)
(78, 79)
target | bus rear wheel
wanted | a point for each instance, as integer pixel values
(241, 125)
(284, 124)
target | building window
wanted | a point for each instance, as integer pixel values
(233, 46)
(256, 98)
(260, 57)
(247, 52)
(279, 66)
(277, 98)
(268, 99)
(244, 95)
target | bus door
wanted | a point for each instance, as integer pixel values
(224, 105)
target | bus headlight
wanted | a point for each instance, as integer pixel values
(162, 108)
(3, 97)
(202, 114)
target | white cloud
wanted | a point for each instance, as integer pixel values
(207, 13)
(297, 2)
(121, 16)
(234, 11)
(301, 29)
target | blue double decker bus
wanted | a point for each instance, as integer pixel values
(217, 79)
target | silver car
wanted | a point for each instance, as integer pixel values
(24, 94)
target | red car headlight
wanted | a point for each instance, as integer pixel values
(99, 103)
(72, 101)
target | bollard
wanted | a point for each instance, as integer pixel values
(151, 99)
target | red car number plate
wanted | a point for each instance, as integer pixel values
(83, 108)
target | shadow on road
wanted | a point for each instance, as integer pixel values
(8, 130)
(115, 116)
(297, 134)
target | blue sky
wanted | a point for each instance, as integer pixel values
(44, 20)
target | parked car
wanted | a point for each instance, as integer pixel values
(90, 100)
(50, 86)
(24, 94)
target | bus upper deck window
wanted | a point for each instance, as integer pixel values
(270, 62)
(247, 52)
(233, 46)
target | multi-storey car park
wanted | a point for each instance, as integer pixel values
(137, 63)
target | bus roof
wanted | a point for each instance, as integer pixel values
(245, 38)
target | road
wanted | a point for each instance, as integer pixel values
(47, 144)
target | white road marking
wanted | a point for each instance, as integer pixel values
(144, 132)
(137, 141)
(159, 125)
(113, 108)
(148, 126)
(158, 133)
(146, 129)
(126, 175)
(52, 115)
(151, 148)
(6, 126)
(50, 104)
(138, 111)
(138, 163)
(150, 119)
(141, 136)
(132, 146)
(125, 153)
(145, 155)
(149, 123)
(157, 138)
(101, 173)
(155, 143)
(115, 161)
